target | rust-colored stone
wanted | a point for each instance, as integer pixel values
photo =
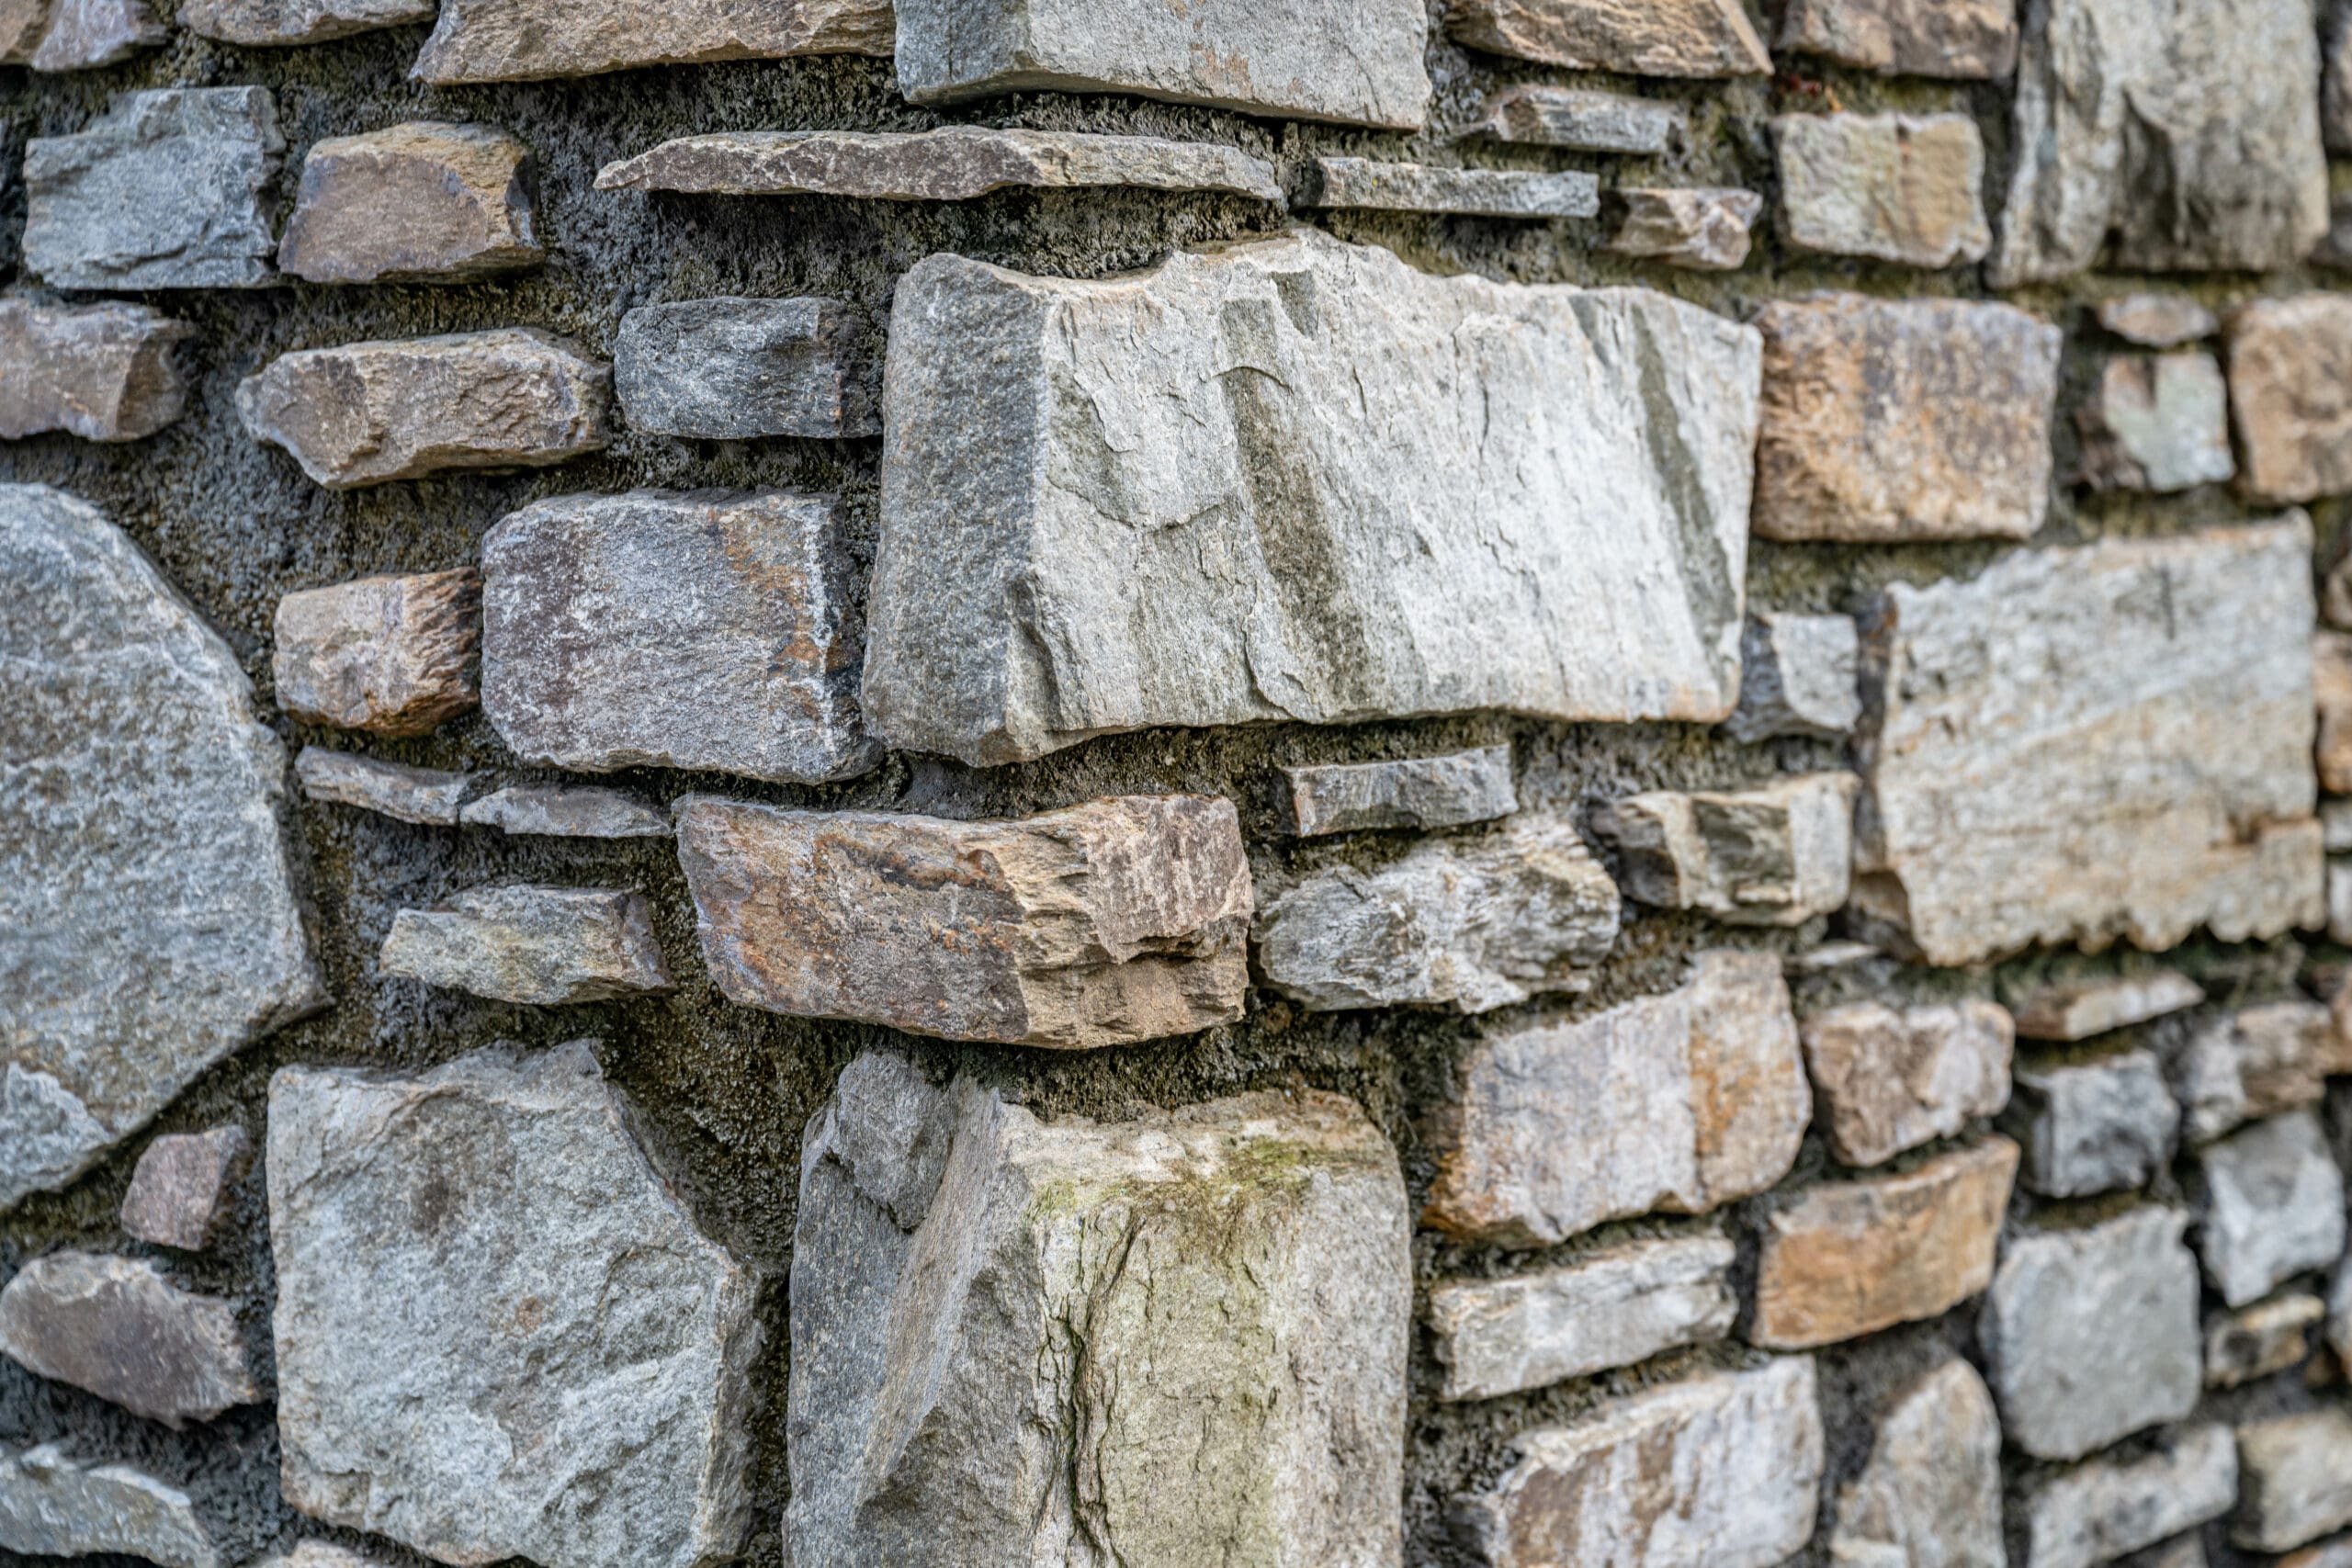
(2290, 388)
(389, 655)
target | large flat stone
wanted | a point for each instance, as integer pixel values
(739, 369)
(1644, 38)
(1891, 1081)
(525, 40)
(101, 372)
(2253, 1064)
(181, 1187)
(1802, 676)
(539, 946)
(2080, 1009)
(2157, 422)
(428, 796)
(2273, 1206)
(1930, 1494)
(1417, 792)
(419, 203)
(2288, 389)
(2296, 1473)
(1963, 40)
(52, 1506)
(261, 24)
(393, 656)
(1775, 856)
(1382, 185)
(1891, 187)
(116, 1327)
(1540, 115)
(1542, 507)
(2105, 1509)
(2091, 1127)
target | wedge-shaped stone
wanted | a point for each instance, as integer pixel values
(52, 1505)
(2093, 1127)
(1891, 186)
(1584, 122)
(261, 24)
(2264, 1339)
(2159, 781)
(1681, 1102)
(393, 656)
(712, 631)
(2157, 422)
(2254, 1064)
(181, 1185)
(1776, 857)
(1889, 1082)
(540, 946)
(2273, 1206)
(1802, 676)
(2080, 1009)
(1707, 231)
(2103, 1511)
(1965, 40)
(1093, 520)
(2296, 1472)
(1929, 1495)
(525, 40)
(1110, 923)
(738, 369)
(83, 35)
(427, 796)
(149, 922)
(2157, 321)
(2288, 361)
(1644, 38)
(1419, 791)
(499, 1331)
(116, 1326)
(1379, 185)
(421, 203)
(561, 811)
(101, 372)
(1185, 1335)
(1720, 1469)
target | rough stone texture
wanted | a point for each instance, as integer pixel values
(1642, 37)
(2157, 422)
(166, 190)
(1681, 1102)
(2157, 321)
(1542, 115)
(2099, 1511)
(2264, 1339)
(2296, 1475)
(1707, 231)
(2339, 1313)
(149, 923)
(1776, 857)
(540, 946)
(421, 203)
(320, 1554)
(505, 40)
(2339, 902)
(2164, 784)
(52, 1505)
(2291, 365)
(2080, 1009)
(393, 656)
(2213, 103)
(1596, 527)
(712, 631)
(1802, 676)
(1850, 1257)
(2336, 1553)
(1471, 923)
(487, 1246)
(1176, 1339)
(83, 35)
(369, 413)
(2332, 689)
(1895, 187)
(2335, 87)
(1904, 419)
(1929, 1495)
(21, 25)
(1888, 1081)
(1107, 924)
(2273, 1207)
(2095, 1127)
(1722, 1469)
(1964, 40)
(561, 811)
(739, 369)
(261, 24)
(1417, 792)
(116, 1326)
(2257, 1063)
(1381, 184)
(101, 372)
(181, 1185)
(427, 796)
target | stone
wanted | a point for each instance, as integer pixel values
(1180, 1338)
(2157, 422)
(1886, 1081)
(2339, 902)
(2081, 1010)
(116, 1327)
(2164, 781)
(2157, 321)
(2104, 1509)
(2213, 102)
(427, 797)
(2296, 1474)
(1707, 230)
(1471, 923)
(1802, 676)
(739, 369)
(421, 203)
(2288, 361)
(166, 190)
(1775, 856)
(1889, 420)
(2091, 1334)
(2254, 1064)
(83, 35)
(2273, 1206)
(2264, 1339)
(2093, 1127)
(2182, 1551)
(500, 1333)
(2332, 689)
(1379, 185)
(2339, 1313)
(1850, 1257)
(52, 1505)
(320, 1554)
(2335, 1554)
(262, 24)
(2333, 253)
(369, 413)
(1607, 1310)
(149, 920)
(1930, 1494)
(392, 655)
(538, 946)
(2335, 815)
(21, 24)
(1418, 792)
(180, 1186)
(1720, 1469)
(1892, 187)
(715, 631)
(1359, 61)
(1265, 546)
(1958, 40)
(1678, 1104)
(501, 41)
(2336, 88)
(1539, 115)
(568, 811)
(1641, 38)
(102, 372)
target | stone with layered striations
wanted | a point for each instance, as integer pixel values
(2265, 1339)
(101, 372)
(420, 203)
(1417, 792)
(2091, 1127)
(83, 35)
(2157, 321)
(2295, 1473)
(116, 1327)
(2106, 1508)
(393, 656)
(1707, 230)
(2289, 364)
(263, 24)
(1889, 1081)
(568, 811)
(538, 946)
(1542, 115)
(2158, 422)
(427, 796)
(1775, 856)
(2273, 1206)
(1930, 1494)
(181, 1185)
(1802, 676)
(488, 1243)
(1643, 37)
(2332, 689)
(1960, 39)
(149, 920)
(1891, 186)
(1380, 185)
(739, 369)
(528, 41)
(1093, 522)
(2253, 1064)
(55, 1506)
(2080, 1009)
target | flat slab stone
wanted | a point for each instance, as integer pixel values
(2273, 1206)
(420, 203)
(2254, 1064)
(181, 1185)
(116, 1327)
(2296, 1475)
(1707, 231)
(2095, 1127)
(2105, 1509)
(1930, 1494)
(500, 1333)
(1891, 1081)
(1894, 187)
(499, 40)
(427, 796)
(2157, 321)
(715, 631)
(393, 656)
(1802, 676)
(567, 811)
(83, 35)
(540, 946)
(2265, 1339)
(102, 372)
(261, 24)
(1595, 533)
(320, 1554)
(1418, 792)
(1961, 40)
(149, 923)
(52, 1506)
(2157, 422)
(2165, 783)
(1678, 38)
(739, 369)
(2081, 1010)
(2294, 413)
(1379, 185)
(1775, 856)
(1543, 115)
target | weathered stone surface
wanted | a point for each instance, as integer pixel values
(1963, 40)
(1895, 187)
(1776, 857)
(427, 796)
(393, 656)
(1929, 1495)
(1851, 1257)
(83, 35)
(2291, 386)
(1417, 792)
(2157, 422)
(2092, 1334)
(166, 190)
(1543, 115)
(2253, 1064)
(2339, 902)
(2336, 1553)
(2335, 815)
(2332, 689)
(1888, 1081)
(181, 1185)
(2095, 1127)
(21, 25)
(1904, 419)
(149, 924)
(1382, 185)
(2265, 1338)
(1708, 230)
(2097, 1512)
(2079, 1009)
(2157, 321)
(541, 946)
(2296, 1472)
(1472, 923)
(2339, 1313)
(2335, 87)
(116, 1327)
(1177, 1339)
(1183, 545)
(501, 41)
(421, 203)
(1681, 1102)
(320, 1554)
(711, 631)
(1802, 676)
(499, 1331)
(2215, 103)
(1643, 37)
(739, 369)
(1721, 1470)
(1109, 923)
(567, 811)
(369, 413)
(2273, 1206)
(1357, 60)
(101, 372)
(261, 24)
(52, 1505)
(2163, 782)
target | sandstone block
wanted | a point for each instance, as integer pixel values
(1892, 187)
(1929, 1495)
(2264, 1339)
(2104, 1509)
(2095, 1127)
(101, 372)
(2157, 321)
(392, 655)
(2079, 1009)
(499, 40)
(1776, 857)
(1802, 676)
(1888, 1081)
(739, 369)
(2254, 1064)
(2332, 689)
(1380, 185)
(427, 797)
(83, 35)
(540, 946)
(2288, 361)
(52, 1505)
(21, 25)
(2158, 423)
(1964, 39)
(1543, 115)
(1678, 38)
(421, 203)
(2296, 1472)
(1707, 231)
(181, 1185)
(261, 24)
(563, 811)
(116, 1327)
(2273, 1206)
(1419, 791)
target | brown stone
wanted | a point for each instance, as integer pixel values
(2291, 387)
(181, 1185)
(1706, 231)
(2295, 1479)
(1963, 40)
(2255, 1064)
(392, 655)
(2077, 1010)
(2263, 1340)
(1891, 187)
(525, 40)
(2332, 689)
(2157, 321)
(101, 372)
(415, 203)
(21, 24)
(116, 1327)
(1775, 856)
(1889, 1082)
(1643, 37)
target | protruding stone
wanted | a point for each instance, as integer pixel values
(2296, 1474)
(1929, 1495)
(52, 1505)
(1802, 676)
(83, 35)
(710, 631)
(1683, 1102)
(181, 1185)
(427, 797)
(116, 1327)
(101, 372)
(1894, 187)
(1642, 37)
(2157, 321)
(1707, 230)
(423, 203)
(567, 811)
(2157, 422)
(539, 946)
(1776, 857)
(393, 656)
(2079, 1009)
(2105, 1509)
(1419, 791)
(2095, 1127)
(1889, 1081)
(739, 369)
(2255, 1064)
(505, 40)
(487, 1243)
(1107, 924)
(2273, 1207)
(1960, 39)
(262, 24)
(1380, 185)
(2292, 402)
(2264, 1339)
(1543, 115)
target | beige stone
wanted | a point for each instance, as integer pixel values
(102, 372)
(2295, 1474)
(21, 25)
(1643, 37)
(524, 40)
(1889, 1082)
(2157, 321)
(2332, 686)
(2254, 1064)
(180, 1186)
(416, 203)
(2264, 1339)
(1776, 857)
(2078, 1009)
(1964, 39)
(393, 656)
(1892, 187)
(2290, 389)
(1705, 229)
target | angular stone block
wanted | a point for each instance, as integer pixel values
(1891, 186)
(52, 1505)
(83, 35)
(2158, 423)
(393, 656)
(2254, 1064)
(1419, 791)
(1543, 115)
(1929, 1495)
(1775, 856)
(1643, 37)
(1707, 231)
(421, 203)
(539, 946)
(262, 24)
(2273, 1206)
(2263, 1340)
(1962, 39)
(427, 797)
(2289, 360)
(116, 1327)
(2106, 1509)
(559, 811)
(739, 369)
(2080, 1009)
(181, 1185)
(2095, 1127)
(1889, 1081)
(2296, 1473)
(1379, 185)
(2157, 321)
(101, 372)
(528, 41)
(1802, 676)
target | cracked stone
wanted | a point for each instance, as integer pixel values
(2255, 1064)
(1641, 38)
(102, 372)
(427, 797)
(739, 369)
(1802, 676)
(2295, 1473)
(180, 1186)
(1929, 1495)
(1417, 792)
(262, 24)
(1775, 856)
(53, 1505)
(1542, 115)
(1889, 1081)
(2105, 1509)
(2157, 422)
(1958, 40)
(538, 946)
(2273, 1206)
(1706, 230)
(116, 1327)
(1379, 185)
(2095, 1127)
(2081, 1010)
(2291, 365)
(392, 655)
(2264, 1339)
(566, 811)
(1894, 187)
(421, 203)
(505, 40)
(2157, 321)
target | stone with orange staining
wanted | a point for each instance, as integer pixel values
(1960, 39)
(1895, 187)
(388, 655)
(1643, 37)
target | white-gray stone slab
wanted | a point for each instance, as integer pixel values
(428, 796)
(1802, 676)
(1382, 185)
(1414, 792)
(538, 946)
(55, 1506)
(568, 811)
(2090, 1127)
(2273, 1206)
(2108, 1508)
(739, 369)
(1929, 1495)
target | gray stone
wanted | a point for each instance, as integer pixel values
(2296, 1472)
(1707, 231)
(320, 1554)
(1643, 37)
(1929, 1495)
(2335, 815)
(1543, 115)
(1775, 856)
(540, 946)
(2099, 1511)
(1418, 792)
(393, 656)
(266, 23)
(421, 203)
(1962, 39)
(500, 1333)
(2290, 395)
(2157, 321)
(1180, 1340)
(2339, 902)
(566, 811)
(181, 1185)
(166, 190)
(713, 631)
(739, 369)
(1472, 923)
(2251, 1065)
(2095, 1127)
(527, 40)
(2080, 1009)
(101, 372)
(2273, 1207)
(1802, 676)
(83, 35)
(1894, 187)
(1610, 1309)
(1379, 185)
(149, 923)
(2333, 253)
(52, 1505)
(427, 796)
(2263, 1340)
(116, 1327)
(1887, 1081)
(1542, 509)
(2157, 422)
(2335, 88)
